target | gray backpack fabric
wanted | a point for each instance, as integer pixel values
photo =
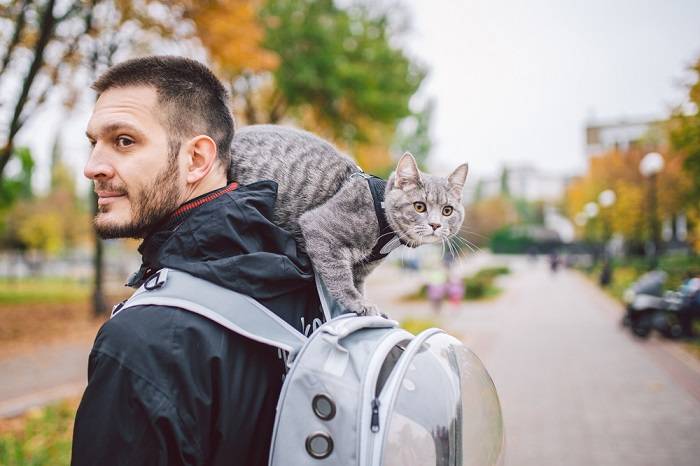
(359, 391)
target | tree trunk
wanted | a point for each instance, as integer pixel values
(16, 35)
(48, 23)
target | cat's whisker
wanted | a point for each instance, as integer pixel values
(464, 230)
(453, 250)
(469, 244)
(385, 234)
(457, 247)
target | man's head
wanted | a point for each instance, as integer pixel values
(161, 131)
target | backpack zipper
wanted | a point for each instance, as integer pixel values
(375, 415)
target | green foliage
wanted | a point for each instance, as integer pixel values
(413, 135)
(492, 272)
(416, 325)
(627, 271)
(42, 290)
(685, 132)
(20, 185)
(48, 224)
(481, 285)
(341, 63)
(509, 240)
(478, 286)
(45, 439)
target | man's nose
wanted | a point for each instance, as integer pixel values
(98, 166)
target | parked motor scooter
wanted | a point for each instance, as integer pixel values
(644, 300)
(680, 310)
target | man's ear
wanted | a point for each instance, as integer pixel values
(201, 158)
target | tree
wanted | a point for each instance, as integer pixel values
(619, 171)
(485, 217)
(336, 73)
(413, 134)
(36, 30)
(684, 126)
(684, 131)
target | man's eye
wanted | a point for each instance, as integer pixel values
(123, 141)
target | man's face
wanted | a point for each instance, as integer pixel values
(137, 179)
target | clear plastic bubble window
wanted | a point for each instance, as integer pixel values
(446, 412)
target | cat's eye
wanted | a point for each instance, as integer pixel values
(447, 210)
(419, 206)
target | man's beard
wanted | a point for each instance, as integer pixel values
(149, 206)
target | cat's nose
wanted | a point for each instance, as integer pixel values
(434, 225)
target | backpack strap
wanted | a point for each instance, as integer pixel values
(235, 311)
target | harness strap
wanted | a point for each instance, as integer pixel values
(388, 240)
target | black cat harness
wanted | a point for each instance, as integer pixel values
(387, 240)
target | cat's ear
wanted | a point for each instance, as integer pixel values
(457, 179)
(407, 173)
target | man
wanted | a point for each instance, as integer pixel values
(166, 386)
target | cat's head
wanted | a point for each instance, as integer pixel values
(422, 208)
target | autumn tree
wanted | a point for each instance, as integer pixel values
(331, 70)
(629, 215)
(684, 130)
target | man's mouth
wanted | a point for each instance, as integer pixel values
(108, 197)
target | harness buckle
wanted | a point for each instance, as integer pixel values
(157, 280)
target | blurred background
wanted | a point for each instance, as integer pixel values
(575, 277)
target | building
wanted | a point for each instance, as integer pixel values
(523, 182)
(622, 134)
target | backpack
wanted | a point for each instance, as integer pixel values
(359, 391)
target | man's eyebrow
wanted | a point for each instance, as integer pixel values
(115, 127)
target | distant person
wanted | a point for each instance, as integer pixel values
(166, 386)
(606, 272)
(455, 289)
(554, 261)
(436, 287)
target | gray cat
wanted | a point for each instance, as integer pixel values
(335, 211)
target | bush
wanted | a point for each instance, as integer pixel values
(415, 326)
(44, 439)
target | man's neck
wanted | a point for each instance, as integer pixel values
(204, 186)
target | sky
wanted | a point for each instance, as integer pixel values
(516, 81)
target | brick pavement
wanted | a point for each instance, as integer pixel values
(575, 388)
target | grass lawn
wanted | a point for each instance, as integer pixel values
(42, 437)
(42, 290)
(481, 285)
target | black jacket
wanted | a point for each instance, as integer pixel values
(168, 387)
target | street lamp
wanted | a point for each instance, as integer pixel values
(606, 199)
(650, 166)
(591, 209)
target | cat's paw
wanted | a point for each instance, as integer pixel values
(365, 309)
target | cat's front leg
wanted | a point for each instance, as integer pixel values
(326, 238)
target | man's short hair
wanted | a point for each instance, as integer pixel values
(192, 98)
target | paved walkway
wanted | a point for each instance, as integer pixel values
(575, 388)
(43, 375)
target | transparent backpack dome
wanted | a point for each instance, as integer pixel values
(449, 415)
